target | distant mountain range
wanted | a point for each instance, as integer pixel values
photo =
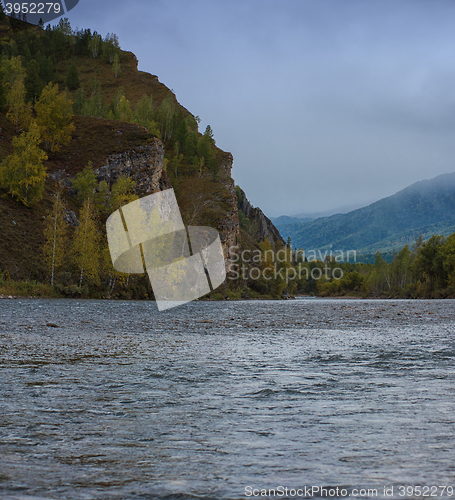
(426, 207)
(307, 216)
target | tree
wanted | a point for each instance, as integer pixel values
(79, 101)
(165, 118)
(95, 105)
(116, 67)
(72, 79)
(81, 44)
(64, 26)
(95, 44)
(429, 261)
(23, 173)
(53, 114)
(111, 47)
(46, 70)
(124, 110)
(122, 192)
(33, 82)
(85, 182)
(143, 112)
(13, 75)
(205, 150)
(209, 133)
(55, 233)
(448, 255)
(86, 245)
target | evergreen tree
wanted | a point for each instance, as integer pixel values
(33, 83)
(64, 26)
(23, 173)
(79, 101)
(55, 234)
(85, 182)
(81, 45)
(54, 112)
(46, 70)
(206, 151)
(72, 79)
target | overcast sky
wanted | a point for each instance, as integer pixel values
(323, 103)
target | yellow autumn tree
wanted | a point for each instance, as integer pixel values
(23, 173)
(13, 74)
(54, 112)
(86, 244)
(121, 194)
(124, 110)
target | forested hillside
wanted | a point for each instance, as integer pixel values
(82, 133)
(426, 208)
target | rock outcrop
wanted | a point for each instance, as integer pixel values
(145, 165)
(229, 224)
(260, 226)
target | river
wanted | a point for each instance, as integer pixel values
(220, 400)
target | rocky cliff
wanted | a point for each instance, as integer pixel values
(145, 165)
(259, 226)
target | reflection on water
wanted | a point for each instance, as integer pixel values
(118, 401)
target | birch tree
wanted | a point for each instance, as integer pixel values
(55, 233)
(54, 112)
(23, 173)
(19, 112)
(86, 244)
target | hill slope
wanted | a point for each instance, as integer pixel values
(426, 207)
(163, 150)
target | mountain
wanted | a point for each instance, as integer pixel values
(424, 208)
(339, 210)
(286, 220)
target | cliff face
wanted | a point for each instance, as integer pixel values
(145, 165)
(260, 226)
(229, 224)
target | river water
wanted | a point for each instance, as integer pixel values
(222, 399)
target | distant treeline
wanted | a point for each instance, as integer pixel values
(427, 270)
